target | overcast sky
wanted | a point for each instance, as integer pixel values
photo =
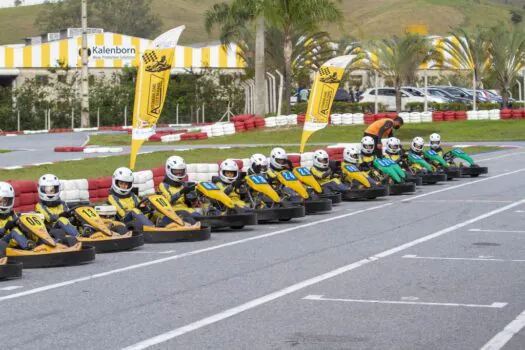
(10, 3)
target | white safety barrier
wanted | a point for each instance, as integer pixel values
(143, 180)
(74, 190)
(405, 116)
(337, 119)
(170, 138)
(271, 122)
(103, 149)
(483, 115)
(358, 118)
(426, 117)
(472, 115)
(415, 117)
(494, 114)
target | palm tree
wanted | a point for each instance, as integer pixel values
(469, 51)
(507, 55)
(233, 20)
(289, 16)
(399, 58)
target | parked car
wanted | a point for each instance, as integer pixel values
(438, 92)
(387, 97)
(421, 93)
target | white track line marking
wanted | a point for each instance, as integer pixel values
(465, 259)
(183, 255)
(495, 305)
(520, 211)
(503, 337)
(496, 231)
(461, 185)
(149, 252)
(177, 332)
(504, 156)
(462, 201)
(10, 288)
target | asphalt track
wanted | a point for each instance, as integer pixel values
(441, 269)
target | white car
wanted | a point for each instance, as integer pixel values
(387, 97)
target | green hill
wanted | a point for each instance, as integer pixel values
(363, 18)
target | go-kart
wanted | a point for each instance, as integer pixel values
(105, 235)
(220, 211)
(294, 191)
(438, 163)
(53, 248)
(176, 230)
(423, 170)
(267, 203)
(8, 269)
(305, 176)
(366, 188)
(388, 172)
(470, 168)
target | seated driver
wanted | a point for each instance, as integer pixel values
(9, 233)
(278, 162)
(173, 187)
(322, 172)
(51, 206)
(230, 182)
(124, 200)
(366, 161)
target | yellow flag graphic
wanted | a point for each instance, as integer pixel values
(322, 96)
(152, 83)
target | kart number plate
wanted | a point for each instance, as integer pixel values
(258, 180)
(384, 162)
(432, 152)
(415, 156)
(210, 186)
(89, 212)
(289, 176)
(458, 151)
(351, 168)
(33, 221)
(161, 202)
(303, 171)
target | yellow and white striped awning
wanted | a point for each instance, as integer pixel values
(67, 51)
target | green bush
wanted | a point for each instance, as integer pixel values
(342, 107)
(487, 106)
(518, 105)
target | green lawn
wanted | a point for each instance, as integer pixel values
(501, 130)
(99, 167)
(364, 19)
(4, 151)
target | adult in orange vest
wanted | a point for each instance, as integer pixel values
(380, 129)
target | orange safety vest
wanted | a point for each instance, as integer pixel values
(373, 129)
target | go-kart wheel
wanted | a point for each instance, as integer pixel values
(10, 270)
(237, 227)
(474, 175)
(285, 219)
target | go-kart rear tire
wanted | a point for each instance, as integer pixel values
(418, 180)
(366, 193)
(231, 220)
(317, 206)
(202, 234)
(397, 189)
(10, 270)
(431, 179)
(116, 245)
(474, 171)
(281, 214)
(452, 173)
(86, 254)
(335, 198)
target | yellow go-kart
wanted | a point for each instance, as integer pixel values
(156, 206)
(361, 185)
(8, 269)
(306, 177)
(267, 203)
(105, 235)
(220, 211)
(56, 250)
(293, 189)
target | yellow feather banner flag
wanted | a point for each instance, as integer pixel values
(322, 96)
(152, 84)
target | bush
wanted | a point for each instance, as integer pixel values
(517, 105)
(488, 106)
(415, 106)
(342, 107)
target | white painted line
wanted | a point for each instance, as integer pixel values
(499, 157)
(462, 201)
(480, 258)
(503, 337)
(87, 141)
(495, 305)
(520, 211)
(10, 288)
(44, 163)
(177, 332)
(183, 255)
(462, 185)
(496, 231)
(13, 167)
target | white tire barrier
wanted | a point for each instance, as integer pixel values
(415, 117)
(271, 122)
(358, 118)
(337, 119)
(494, 114)
(292, 119)
(170, 138)
(103, 150)
(143, 180)
(74, 190)
(405, 116)
(347, 119)
(483, 115)
(426, 117)
(281, 120)
(472, 115)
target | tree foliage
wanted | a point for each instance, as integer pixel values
(131, 17)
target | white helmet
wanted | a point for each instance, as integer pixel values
(229, 165)
(435, 141)
(7, 198)
(175, 168)
(124, 175)
(258, 164)
(277, 156)
(367, 145)
(351, 154)
(49, 188)
(417, 144)
(393, 145)
(321, 159)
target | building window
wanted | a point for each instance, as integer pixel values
(42, 79)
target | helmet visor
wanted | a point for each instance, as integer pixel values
(230, 174)
(281, 161)
(123, 185)
(435, 143)
(6, 201)
(323, 160)
(419, 147)
(368, 147)
(178, 172)
(49, 189)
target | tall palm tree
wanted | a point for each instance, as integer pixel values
(289, 16)
(469, 51)
(399, 58)
(507, 55)
(232, 21)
